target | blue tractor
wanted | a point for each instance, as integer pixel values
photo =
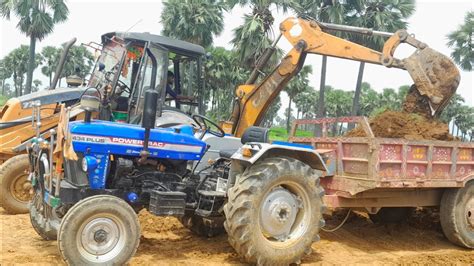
(266, 196)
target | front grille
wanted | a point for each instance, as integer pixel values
(73, 172)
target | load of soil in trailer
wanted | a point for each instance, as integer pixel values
(393, 124)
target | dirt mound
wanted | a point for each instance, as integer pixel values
(392, 124)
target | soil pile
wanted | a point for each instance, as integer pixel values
(392, 124)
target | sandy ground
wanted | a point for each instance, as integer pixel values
(165, 242)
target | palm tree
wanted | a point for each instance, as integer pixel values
(461, 41)
(195, 21)
(79, 62)
(223, 74)
(452, 110)
(5, 73)
(17, 60)
(36, 20)
(382, 15)
(254, 35)
(324, 11)
(296, 86)
(50, 55)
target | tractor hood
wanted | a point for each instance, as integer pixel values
(103, 137)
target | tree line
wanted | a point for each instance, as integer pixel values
(14, 67)
(199, 21)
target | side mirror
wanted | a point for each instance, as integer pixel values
(149, 109)
(148, 120)
(90, 103)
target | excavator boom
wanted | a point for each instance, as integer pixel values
(435, 76)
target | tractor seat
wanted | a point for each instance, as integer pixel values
(251, 134)
(227, 153)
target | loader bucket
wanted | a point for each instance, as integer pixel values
(436, 78)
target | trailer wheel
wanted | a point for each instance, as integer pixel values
(14, 185)
(391, 215)
(38, 221)
(457, 215)
(274, 212)
(206, 227)
(99, 230)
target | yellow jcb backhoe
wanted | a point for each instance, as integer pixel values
(435, 76)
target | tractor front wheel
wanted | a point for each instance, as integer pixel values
(274, 212)
(38, 221)
(14, 185)
(99, 230)
(457, 215)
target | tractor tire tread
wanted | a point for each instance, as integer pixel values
(240, 204)
(9, 204)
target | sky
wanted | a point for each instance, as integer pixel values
(88, 20)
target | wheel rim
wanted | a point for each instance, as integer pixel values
(285, 213)
(101, 239)
(470, 213)
(20, 188)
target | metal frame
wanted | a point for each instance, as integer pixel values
(382, 171)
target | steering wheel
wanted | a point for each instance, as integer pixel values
(124, 86)
(204, 123)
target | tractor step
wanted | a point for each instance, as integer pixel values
(167, 203)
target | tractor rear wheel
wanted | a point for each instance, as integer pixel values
(14, 185)
(206, 227)
(274, 212)
(457, 215)
(99, 230)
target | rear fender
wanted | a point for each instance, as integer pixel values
(260, 151)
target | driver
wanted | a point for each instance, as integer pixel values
(169, 91)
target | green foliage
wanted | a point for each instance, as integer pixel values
(79, 61)
(381, 15)
(223, 75)
(16, 67)
(254, 35)
(298, 85)
(195, 21)
(280, 133)
(51, 56)
(36, 20)
(461, 40)
(36, 17)
(3, 100)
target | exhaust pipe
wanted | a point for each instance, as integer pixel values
(62, 61)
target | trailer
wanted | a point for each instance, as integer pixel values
(391, 175)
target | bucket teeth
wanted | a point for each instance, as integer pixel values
(435, 76)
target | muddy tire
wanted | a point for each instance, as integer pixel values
(99, 230)
(14, 184)
(457, 215)
(203, 226)
(391, 215)
(38, 221)
(274, 212)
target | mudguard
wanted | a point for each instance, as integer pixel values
(251, 153)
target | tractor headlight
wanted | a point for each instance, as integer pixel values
(89, 163)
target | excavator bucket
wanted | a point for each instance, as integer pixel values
(436, 80)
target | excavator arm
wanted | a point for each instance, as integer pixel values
(435, 77)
